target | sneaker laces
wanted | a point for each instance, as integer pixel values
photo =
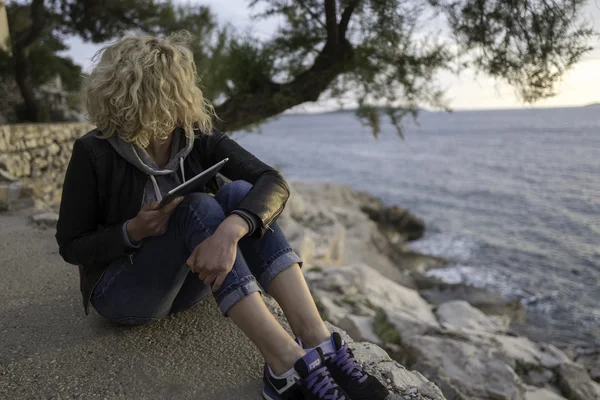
(344, 359)
(322, 385)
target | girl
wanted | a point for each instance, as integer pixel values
(138, 263)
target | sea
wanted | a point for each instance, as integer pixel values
(511, 197)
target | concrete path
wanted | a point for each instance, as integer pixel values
(49, 349)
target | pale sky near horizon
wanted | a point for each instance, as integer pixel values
(580, 86)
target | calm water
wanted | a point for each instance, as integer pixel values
(513, 197)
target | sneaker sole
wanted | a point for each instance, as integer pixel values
(268, 396)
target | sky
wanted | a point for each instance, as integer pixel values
(469, 90)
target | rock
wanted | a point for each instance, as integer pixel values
(465, 369)
(539, 377)
(492, 303)
(575, 383)
(551, 357)
(295, 207)
(392, 220)
(359, 288)
(361, 240)
(413, 261)
(301, 240)
(5, 176)
(360, 328)
(410, 383)
(10, 192)
(47, 219)
(38, 154)
(590, 358)
(369, 353)
(460, 314)
(542, 394)
(318, 235)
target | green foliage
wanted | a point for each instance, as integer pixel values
(387, 54)
(399, 47)
(101, 20)
(528, 43)
(384, 329)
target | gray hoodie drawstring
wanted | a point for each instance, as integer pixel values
(156, 188)
(182, 169)
(155, 184)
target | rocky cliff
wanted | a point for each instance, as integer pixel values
(364, 279)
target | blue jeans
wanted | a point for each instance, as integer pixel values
(156, 281)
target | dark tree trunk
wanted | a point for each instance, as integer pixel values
(21, 54)
(23, 78)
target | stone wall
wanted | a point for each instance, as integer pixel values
(38, 155)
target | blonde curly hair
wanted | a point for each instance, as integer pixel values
(142, 87)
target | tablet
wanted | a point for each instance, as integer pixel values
(192, 185)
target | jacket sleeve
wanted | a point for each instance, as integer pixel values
(80, 239)
(269, 192)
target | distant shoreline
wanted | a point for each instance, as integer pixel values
(458, 110)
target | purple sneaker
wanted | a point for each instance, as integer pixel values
(348, 373)
(311, 381)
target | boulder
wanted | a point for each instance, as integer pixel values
(464, 369)
(396, 222)
(490, 302)
(359, 289)
(590, 358)
(466, 353)
(460, 314)
(542, 394)
(361, 240)
(575, 382)
(46, 219)
(360, 327)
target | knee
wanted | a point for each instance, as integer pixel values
(202, 205)
(231, 194)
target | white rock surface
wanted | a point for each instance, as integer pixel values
(542, 394)
(346, 290)
(360, 327)
(460, 314)
(48, 219)
(575, 383)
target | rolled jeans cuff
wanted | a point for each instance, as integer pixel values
(282, 261)
(236, 292)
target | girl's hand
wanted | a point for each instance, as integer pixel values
(151, 222)
(213, 258)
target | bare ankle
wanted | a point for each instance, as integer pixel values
(314, 337)
(284, 360)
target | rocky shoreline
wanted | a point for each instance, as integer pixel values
(425, 339)
(366, 280)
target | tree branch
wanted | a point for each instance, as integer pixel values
(331, 21)
(272, 99)
(128, 21)
(346, 15)
(311, 13)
